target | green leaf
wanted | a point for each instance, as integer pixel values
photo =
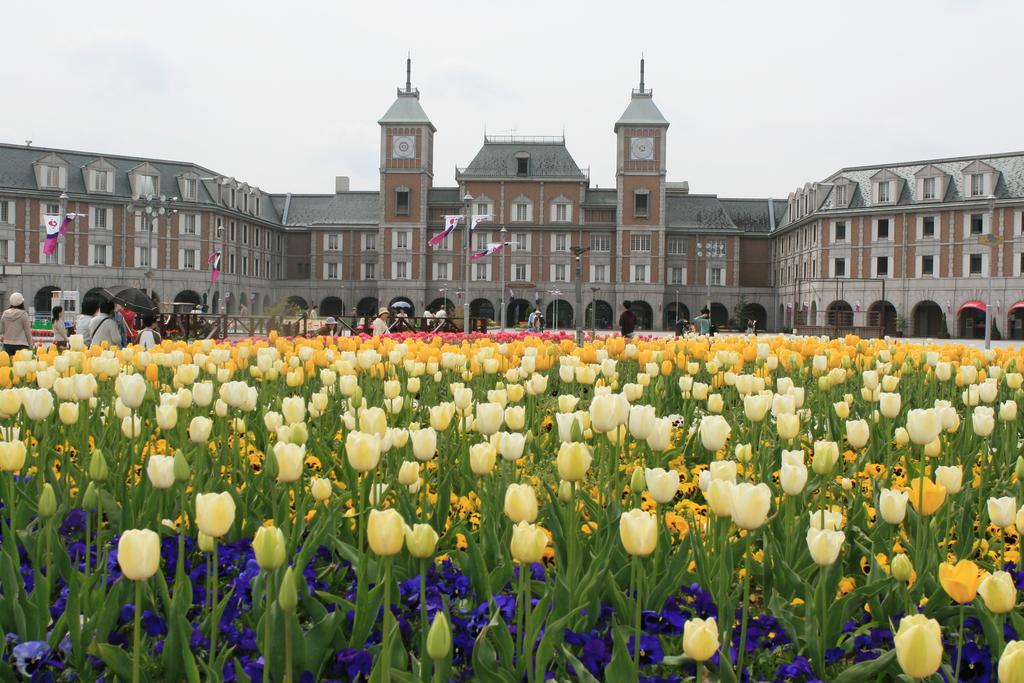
(580, 671)
(620, 668)
(115, 658)
(868, 670)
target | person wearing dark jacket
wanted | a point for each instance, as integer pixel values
(627, 321)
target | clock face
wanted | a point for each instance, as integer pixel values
(641, 149)
(403, 147)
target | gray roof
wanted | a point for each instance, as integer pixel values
(642, 111)
(1010, 168)
(497, 159)
(752, 215)
(406, 109)
(697, 211)
(17, 172)
(608, 197)
(346, 208)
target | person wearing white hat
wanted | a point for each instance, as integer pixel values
(380, 323)
(15, 326)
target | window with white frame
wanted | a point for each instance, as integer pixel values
(442, 271)
(640, 241)
(144, 257)
(369, 242)
(190, 188)
(675, 275)
(558, 274)
(245, 202)
(401, 239)
(245, 233)
(977, 184)
(639, 272)
(147, 184)
(881, 266)
(482, 271)
(883, 192)
(927, 265)
(716, 277)
(882, 229)
(231, 231)
(100, 181)
(977, 224)
(231, 263)
(333, 241)
(561, 242)
(928, 188)
(99, 218)
(976, 264)
(445, 244)
(402, 201)
(482, 239)
(401, 270)
(99, 255)
(369, 271)
(522, 211)
(145, 222)
(841, 195)
(600, 243)
(927, 227)
(256, 235)
(189, 220)
(521, 241)
(6, 250)
(189, 259)
(483, 208)
(332, 271)
(640, 203)
(840, 231)
(521, 272)
(245, 266)
(677, 246)
(599, 272)
(561, 212)
(5, 211)
(52, 176)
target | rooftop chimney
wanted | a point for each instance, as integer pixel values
(341, 184)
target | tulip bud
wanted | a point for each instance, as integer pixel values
(637, 481)
(1018, 468)
(288, 596)
(182, 471)
(47, 506)
(421, 540)
(268, 546)
(902, 568)
(206, 542)
(565, 491)
(91, 497)
(98, 466)
(439, 637)
(320, 487)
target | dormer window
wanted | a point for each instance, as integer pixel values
(99, 181)
(233, 198)
(147, 185)
(245, 202)
(883, 192)
(841, 195)
(979, 180)
(522, 164)
(928, 191)
(402, 201)
(53, 176)
(190, 188)
(977, 184)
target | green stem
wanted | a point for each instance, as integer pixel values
(700, 672)
(213, 615)
(268, 617)
(528, 642)
(740, 656)
(137, 639)
(959, 645)
(88, 542)
(425, 661)
(521, 615)
(288, 647)
(635, 586)
(388, 618)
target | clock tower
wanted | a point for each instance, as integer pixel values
(640, 135)
(406, 175)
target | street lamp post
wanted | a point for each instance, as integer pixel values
(467, 200)
(993, 239)
(153, 207)
(707, 251)
(578, 253)
(677, 309)
(593, 312)
(501, 296)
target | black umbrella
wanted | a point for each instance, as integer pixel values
(133, 299)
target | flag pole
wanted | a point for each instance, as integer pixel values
(467, 200)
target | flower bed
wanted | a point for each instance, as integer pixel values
(510, 507)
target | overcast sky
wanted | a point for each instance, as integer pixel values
(762, 96)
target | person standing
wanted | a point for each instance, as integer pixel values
(104, 327)
(627, 320)
(703, 322)
(83, 322)
(15, 326)
(380, 323)
(60, 333)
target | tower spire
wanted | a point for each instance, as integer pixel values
(641, 72)
(408, 73)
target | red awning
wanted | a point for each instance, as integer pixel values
(973, 303)
(1019, 304)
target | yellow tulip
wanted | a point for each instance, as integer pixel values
(960, 580)
(934, 496)
(521, 503)
(998, 592)
(919, 646)
(385, 532)
(320, 488)
(573, 461)
(1011, 663)
(638, 531)
(528, 543)
(700, 639)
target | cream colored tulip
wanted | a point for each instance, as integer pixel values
(373, 421)
(385, 532)
(983, 421)
(363, 450)
(755, 407)
(1008, 411)
(719, 497)
(857, 433)
(826, 455)
(199, 429)
(824, 545)
(923, 425)
(409, 473)
(919, 648)
(289, 458)
(421, 540)
(215, 513)
(521, 503)
(424, 443)
(826, 519)
(489, 417)
(660, 437)
(788, 426)
(998, 592)
(68, 413)
(714, 432)
(12, 456)
(1001, 511)
(663, 486)
(160, 470)
(793, 479)
(138, 554)
(528, 543)
(320, 488)
(700, 639)
(641, 421)
(638, 531)
(892, 505)
(750, 504)
(268, 547)
(890, 404)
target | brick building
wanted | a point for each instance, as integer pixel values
(818, 259)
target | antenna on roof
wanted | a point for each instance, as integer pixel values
(408, 72)
(641, 72)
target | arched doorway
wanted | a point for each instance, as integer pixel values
(605, 315)
(331, 306)
(518, 312)
(757, 313)
(188, 296)
(814, 313)
(558, 315)
(675, 312)
(972, 320)
(215, 303)
(367, 306)
(719, 315)
(254, 304)
(409, 308)
(267, 304)
(927, 319)
(839, 314)
(1015, 321)
(882, 315)
(43, 299)
(296, 301)
(783, 321)
(441, 302)
(644, 314)
(481, 308)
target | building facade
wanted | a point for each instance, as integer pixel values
(903, 246)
